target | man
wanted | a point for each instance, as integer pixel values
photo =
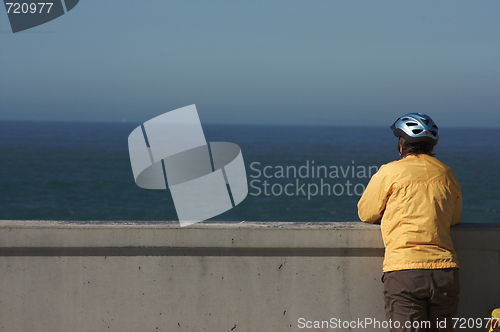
(416, 199)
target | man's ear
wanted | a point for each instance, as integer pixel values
(400, 148)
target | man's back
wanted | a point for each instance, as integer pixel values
(418, 199)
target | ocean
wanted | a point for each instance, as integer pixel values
(82, 172)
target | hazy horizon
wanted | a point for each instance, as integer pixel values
(247, 124)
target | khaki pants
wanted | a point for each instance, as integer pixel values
(419, 298)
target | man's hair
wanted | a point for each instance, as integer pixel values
(415, 148)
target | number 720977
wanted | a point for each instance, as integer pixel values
(25, 8)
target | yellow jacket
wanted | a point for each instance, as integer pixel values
(417, 199)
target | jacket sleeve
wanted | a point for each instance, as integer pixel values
(372, 203)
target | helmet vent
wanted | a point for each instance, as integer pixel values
(433, 133)
(426, 121)
(411, 124)
(417, 131)
(405, 119)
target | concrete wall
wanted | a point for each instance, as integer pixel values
(57, 276)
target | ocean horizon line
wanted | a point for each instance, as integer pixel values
(236, 124)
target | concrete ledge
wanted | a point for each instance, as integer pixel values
(136, 276)
(60, 234)
(211, 235)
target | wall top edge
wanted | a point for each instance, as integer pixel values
(98, 234)
(212, 224)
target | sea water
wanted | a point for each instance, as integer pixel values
(81, 171)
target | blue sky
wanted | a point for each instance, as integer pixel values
(258, 62)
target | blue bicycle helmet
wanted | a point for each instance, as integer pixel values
(416, 128)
